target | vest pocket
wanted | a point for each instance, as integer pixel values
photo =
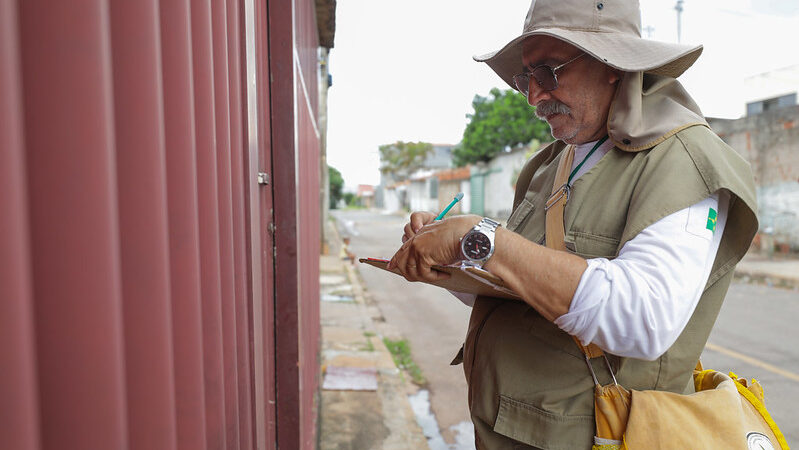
(520, 214)
(531, 425)
(590, 245)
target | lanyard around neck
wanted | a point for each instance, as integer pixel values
(576, 169)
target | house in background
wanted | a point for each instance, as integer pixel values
(417, 190)
(450, 183)
(366, 195)
(771, 90)
(488, 188)
(768, 137)
(493, 183)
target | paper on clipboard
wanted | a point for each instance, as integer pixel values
(468, 279)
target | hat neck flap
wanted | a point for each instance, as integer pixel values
(649, 108)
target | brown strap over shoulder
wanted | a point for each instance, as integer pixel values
(555, 231)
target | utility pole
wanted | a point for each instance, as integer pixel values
(678, 8)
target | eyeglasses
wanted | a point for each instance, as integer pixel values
(545, 76)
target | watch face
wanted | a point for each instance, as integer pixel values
(476, 246)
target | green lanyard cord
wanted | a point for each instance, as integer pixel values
(576, 169)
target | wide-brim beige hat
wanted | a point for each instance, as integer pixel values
(608, 30)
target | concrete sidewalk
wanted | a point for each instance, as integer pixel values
(352, 344)
(776, 271)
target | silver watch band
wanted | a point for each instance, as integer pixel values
(487, 225)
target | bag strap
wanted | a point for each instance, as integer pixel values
(555, 234)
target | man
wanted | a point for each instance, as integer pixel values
(659, 211)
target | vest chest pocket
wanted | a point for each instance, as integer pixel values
(590, 245)
(528, 221)
(519, 214)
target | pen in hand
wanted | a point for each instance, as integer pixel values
(451, 204)
(391, 264)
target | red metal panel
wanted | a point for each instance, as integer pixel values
(287, 268)
(73, 223)
(19, 421)
(222, 111)
(188, 248)
(267, 220)
(141, 171)
(204, 117)
(308, 195)
(257, 158)
(309, 280)
(184, 252)
(239, 241)
(296, 144)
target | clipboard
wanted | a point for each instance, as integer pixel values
(463, 278)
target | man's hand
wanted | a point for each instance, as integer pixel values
(417, 221)
(427, 243)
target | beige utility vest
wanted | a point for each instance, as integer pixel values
(527, 378)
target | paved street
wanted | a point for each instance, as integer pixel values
(432, 320)
(756, 334)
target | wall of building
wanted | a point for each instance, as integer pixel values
(499, 188)
(419, 198)
(141, 304)
(775, 83)
(447, 190)
(770, 142)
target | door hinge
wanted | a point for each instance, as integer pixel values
(263, 178)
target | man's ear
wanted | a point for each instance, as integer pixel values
(614, 75)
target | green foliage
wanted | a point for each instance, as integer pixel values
(502, 119)
(401, 353)
(402, 158)
(336, 186)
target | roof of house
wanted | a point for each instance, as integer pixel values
(365, 190)
(461, 173)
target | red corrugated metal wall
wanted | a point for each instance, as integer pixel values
(292, 40)
(156, 294)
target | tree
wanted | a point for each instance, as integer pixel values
(336, 186)
(402, 158)
(502, 119)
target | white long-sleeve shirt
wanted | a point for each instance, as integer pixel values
(637, 304)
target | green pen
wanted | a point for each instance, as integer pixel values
(451, 204)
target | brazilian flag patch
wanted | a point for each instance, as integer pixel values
(712, 216)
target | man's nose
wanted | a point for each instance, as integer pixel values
(535, 94)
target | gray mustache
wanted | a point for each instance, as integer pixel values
(547, 108)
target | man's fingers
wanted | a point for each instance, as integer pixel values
(427, 273)
(420, 219)
(395, 260)
(412, 271)
(402, 260)
(408, 232)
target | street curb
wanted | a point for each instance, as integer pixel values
(395, 413)
(765, 278)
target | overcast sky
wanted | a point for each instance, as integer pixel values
(403, 70)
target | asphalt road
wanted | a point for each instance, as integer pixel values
(756, 335)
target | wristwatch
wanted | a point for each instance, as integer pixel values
(478, 244)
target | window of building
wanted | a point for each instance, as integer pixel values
(770, 104)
